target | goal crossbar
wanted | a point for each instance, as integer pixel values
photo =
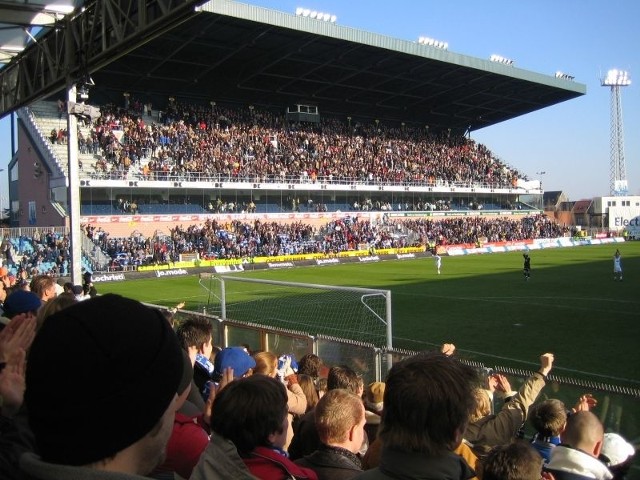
(360, 314)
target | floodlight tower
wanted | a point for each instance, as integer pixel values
(618, 176)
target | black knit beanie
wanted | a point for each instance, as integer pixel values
(100, 375)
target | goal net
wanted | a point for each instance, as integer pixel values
(357, 314)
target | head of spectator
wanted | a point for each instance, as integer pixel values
(585, 432)
(236, 358)
(310, 364)
(251, 412)
(577, 455)
(266, 364)
(44, 286)
(515, 461)
(196, 337)
(617, 454)
(61, 302)
(321, 386)
(68, 287)
(374, 396)
(116, 351)
(482, 404)
(341, 376)
(427, 403)
(340, 420)
(309, 388)
(78, 291)
(21, 301)
(548, 417)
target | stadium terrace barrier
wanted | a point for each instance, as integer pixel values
(262, 263)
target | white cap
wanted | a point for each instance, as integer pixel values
(616, 449)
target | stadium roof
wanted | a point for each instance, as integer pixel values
(227, 52)
(21, 21)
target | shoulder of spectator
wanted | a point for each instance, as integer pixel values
(296, 399)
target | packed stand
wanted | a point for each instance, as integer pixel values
(42, 253)
(243, 240)
(194, 141)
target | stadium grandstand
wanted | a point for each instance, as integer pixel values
(256, 114)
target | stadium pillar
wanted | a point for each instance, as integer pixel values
(73, 195)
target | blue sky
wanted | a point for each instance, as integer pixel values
(584, 38)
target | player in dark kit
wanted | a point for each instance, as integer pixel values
(527, 266)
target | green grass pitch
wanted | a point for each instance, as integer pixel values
(571, 306)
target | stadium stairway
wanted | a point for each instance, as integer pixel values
(47, 118)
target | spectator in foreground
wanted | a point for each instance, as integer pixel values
(340, 421)
(305, 437)
(15, 438)
(310, 364)
(196, 338)
(427, 403)
(577, 457)
(44, 286)
(267, 364)
(486, 430)
(20, 302)
(190, 435)
(549, 419)
(126, 365)
(251, 412)
(617, 454)
(515, 461)
(61, 302)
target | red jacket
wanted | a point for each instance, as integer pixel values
(187, 442)
(267, 464)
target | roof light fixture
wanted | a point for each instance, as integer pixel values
(316, 15)
(501, 59)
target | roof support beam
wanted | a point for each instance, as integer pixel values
(79, 45)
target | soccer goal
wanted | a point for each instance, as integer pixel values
(358, 314)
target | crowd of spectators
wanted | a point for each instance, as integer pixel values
(42, 253)
(228, 412)
(467, 230)
(243, 240)
(192, 141)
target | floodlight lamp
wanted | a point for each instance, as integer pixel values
(306, 12)
(617, 78)
(63, 9)
(326, 17)
(333, 19)
(12, 48)
(313, 14)
(299, 11)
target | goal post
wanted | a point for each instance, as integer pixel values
(352, 313)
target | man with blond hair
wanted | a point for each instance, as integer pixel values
(340, 420)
